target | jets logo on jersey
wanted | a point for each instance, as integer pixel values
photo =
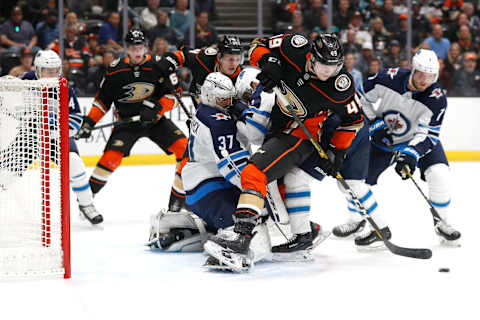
(397, 123)
(392, 72)
(342, 82)
(299, 41)
(294, 101)
(436, 93)
(137, 91)
(220, 116)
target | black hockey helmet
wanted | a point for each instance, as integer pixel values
(230, 44)
(135, 36)
(328, 50)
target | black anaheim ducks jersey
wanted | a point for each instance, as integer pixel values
(127, 86)
(306, 93)
(201, 63)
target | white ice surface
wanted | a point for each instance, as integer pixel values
(114, 276)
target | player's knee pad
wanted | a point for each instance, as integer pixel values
(261, 246)
(178, 231)
(438, 180)
(297, 200)
(178, 147)
(253, 178)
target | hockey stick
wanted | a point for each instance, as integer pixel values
(230, 161)
(436, 216)
(401, 251)
(117, 123)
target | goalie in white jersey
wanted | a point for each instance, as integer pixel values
(406, 109)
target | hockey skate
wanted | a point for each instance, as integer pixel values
(212, 263)
(177, 232)
(349, 228)
(91, 214)
(370, 240)
(232, 248)
(447, 234)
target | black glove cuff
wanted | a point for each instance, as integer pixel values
(269, 58)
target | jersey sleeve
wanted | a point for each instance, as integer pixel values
(427, 132)
(103, 100)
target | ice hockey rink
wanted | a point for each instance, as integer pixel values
(114, 276)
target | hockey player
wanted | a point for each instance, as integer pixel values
(139, 84)
(48, 65)
(226, 59)
(310, 74)
(408, 114)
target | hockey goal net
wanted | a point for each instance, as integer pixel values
(34, 182)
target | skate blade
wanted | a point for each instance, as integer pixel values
(297, 256)
(322, 236)
(237, 262)
(449, 243)
(216, 267)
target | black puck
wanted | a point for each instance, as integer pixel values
(443, 270)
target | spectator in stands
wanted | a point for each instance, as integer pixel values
(312, 15)
(473, 20)
(160, 46)
(401, 34)
(282, 10)
(81, 8)
(108, 33)
(366, 56)
(350, 66)
(205, 33)
(374, 66)
(389, 18)
(350, 44)
(26, 60)
(370, 8)
(451, 32)
(72, 19)
(96, 73)
(323, 25)
(453, 62)
(148, 16)
(437, 42)
(341, 17)
(93, 46)
(47, 31)
(180, 18)
(466, 81)
(380, 35)
(356, 23)
(34, 11)
(465, 39)
(399, 7)
(17, 34)
(395, 55)
(162, 29)
(444, 77)
(206, 6)
(297, 23)
(420, 24)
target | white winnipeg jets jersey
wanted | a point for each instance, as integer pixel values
(414, 118)
(216, 156)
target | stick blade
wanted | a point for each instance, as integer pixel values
(416, 253)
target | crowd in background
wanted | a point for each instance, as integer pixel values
(374, 33)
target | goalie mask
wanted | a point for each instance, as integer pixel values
(247, 83)
(47, 64)
(217, 91)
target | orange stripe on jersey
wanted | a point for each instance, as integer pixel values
(291, 62)
(95, 113)
(117, 71)
(313, 126)
(179, 147)
(257, 54)
(343, 139)
(167, 102)
(179, 55)
(203, 65)
(283, 155)
(326, 96)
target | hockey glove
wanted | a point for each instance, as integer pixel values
(148, 113)
(167, 65)
(336, 156)
(86, 128)
(406, 161)
(238, 110)
(271, 72)
(379, 133)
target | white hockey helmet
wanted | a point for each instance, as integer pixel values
(47, 59)
(245, 85)
(426, 61)
(216, 87)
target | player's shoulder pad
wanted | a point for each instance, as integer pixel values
(215, 120)
(434, 98)
(296, 44)
(340, 87)
(393, 78)
(30, 75)
(208, 56)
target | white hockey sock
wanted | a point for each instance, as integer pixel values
(297, 200)
(438, 180)
(366, 198)
(79, 180)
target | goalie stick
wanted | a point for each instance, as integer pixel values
(436, 216)
(417, 253)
